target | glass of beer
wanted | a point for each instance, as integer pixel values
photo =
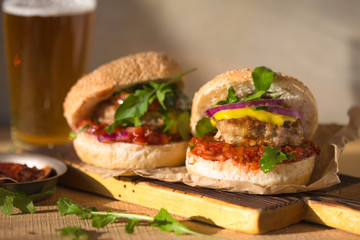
(47, 49)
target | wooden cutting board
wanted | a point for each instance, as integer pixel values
(338, 206)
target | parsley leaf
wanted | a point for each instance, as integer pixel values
(76, 232)
(73, 135)
(204, 126)
(163, 220)
(271, 157)
(263, 78)
(11, 199)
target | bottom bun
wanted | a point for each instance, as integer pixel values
(297, 173)
(128, 156)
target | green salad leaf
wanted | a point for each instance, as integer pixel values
(11, 199)
(271, 157)
(75, 232)
(163, 220)
(204, 126)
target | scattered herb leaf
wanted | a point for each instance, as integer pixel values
(204, 126)
(129, 228)
(163, 220)
(11, 199)
(271, 157)
(75, 232)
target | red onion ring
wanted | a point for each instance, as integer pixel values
(286, 112)
(263, 102)
(119, 136)
(107, 137)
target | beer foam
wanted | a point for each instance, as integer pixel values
(45, 8)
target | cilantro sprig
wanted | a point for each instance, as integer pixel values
(163, 220)
(136, 105)
(271, 157)
(12, 199)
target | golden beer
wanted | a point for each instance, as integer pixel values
(47, 50)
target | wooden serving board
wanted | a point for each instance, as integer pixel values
(338, 206)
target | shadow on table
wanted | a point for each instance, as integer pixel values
(301, 227)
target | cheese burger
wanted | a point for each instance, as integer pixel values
(253, 126)
(130, 113)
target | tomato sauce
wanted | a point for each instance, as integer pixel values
(247, 156)
(142, 135)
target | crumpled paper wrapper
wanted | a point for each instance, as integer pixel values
(330, 138)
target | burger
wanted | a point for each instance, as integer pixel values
(130, 113)
(253, 126)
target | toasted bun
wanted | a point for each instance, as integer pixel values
(297, 173)
(120, 155)
(295, 93)
(114, 76)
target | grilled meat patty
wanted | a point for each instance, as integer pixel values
(250, 131)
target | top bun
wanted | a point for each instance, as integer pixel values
(114, 76)
(295, 94)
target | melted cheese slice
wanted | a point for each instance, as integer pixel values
(260, 115)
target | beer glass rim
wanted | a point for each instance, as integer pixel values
(44, 8)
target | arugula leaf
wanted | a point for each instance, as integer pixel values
(231, 98)
(183, 125)
(11, 199)
(271, 157)
(204, 126)
(75, 232)
(136, 105)
(255, 96)
(73, 135)
(169, 122)
(163, 220)
(263, 78)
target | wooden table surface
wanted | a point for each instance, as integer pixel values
(42, 224)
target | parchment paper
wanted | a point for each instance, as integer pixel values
(330, 138)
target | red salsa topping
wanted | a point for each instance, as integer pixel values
(142, 135)
(20, 172)
(247, 156)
